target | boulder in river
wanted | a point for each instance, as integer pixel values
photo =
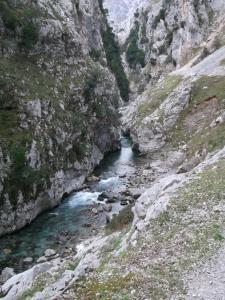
(41, 260)
(103, 196)
(123, 202)
(50, 253)
(28, 260)
(112, 200)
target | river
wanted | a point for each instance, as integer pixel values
(73, 220)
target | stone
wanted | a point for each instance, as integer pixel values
(123, 202)
(28, 260)
(107, 207)
(87, 225)
(103, 196)
(140, 210)
(41, 259)
(135, 192)
(50, 252)
(108, 218)
(94, 211)
(100, 209)
(111, 200)
(6, 274)
(92, 178)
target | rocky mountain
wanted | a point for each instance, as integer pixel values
(174, 247)
(55, 90)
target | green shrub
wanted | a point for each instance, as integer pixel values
(114, 61)
(160, 16)
(8, 15)
(17, 155)
(91, 82)
(113, 57)
(22, 20)
(134, 55)
(95, 54)
(29, 35)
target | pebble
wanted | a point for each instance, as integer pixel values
(94, 211)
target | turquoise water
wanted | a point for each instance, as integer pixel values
(69, 223)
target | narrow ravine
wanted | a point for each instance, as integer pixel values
(75, 219)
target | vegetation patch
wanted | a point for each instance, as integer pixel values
(222, 62)
(95, 54)
(92, 288)
(119, 221)
(205, 106)
(38, 286)
(155, 96)
(113, 57)
(134, 55)
(21, 22)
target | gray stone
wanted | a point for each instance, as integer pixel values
(123, 202)
(50, 252)
(107, 207)
(6, 274)
(41, 259)
(28, 260)
(94, 211)
(140, 210)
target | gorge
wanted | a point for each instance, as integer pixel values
(112, 118)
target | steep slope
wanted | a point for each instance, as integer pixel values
(58, 102)
(167, 34)
(121, 14)
(185, 109)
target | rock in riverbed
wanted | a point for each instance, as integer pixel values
(94, 211)
(50, 253)
(28, 260)
(107, 207)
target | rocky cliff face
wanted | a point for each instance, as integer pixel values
(121, 15)
(58, 103)
(167, 34)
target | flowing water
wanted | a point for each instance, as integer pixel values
(72, 221)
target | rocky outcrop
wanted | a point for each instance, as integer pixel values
(58, 102)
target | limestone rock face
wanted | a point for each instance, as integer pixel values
(163, 35)
(121, 14)
(58, 103)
